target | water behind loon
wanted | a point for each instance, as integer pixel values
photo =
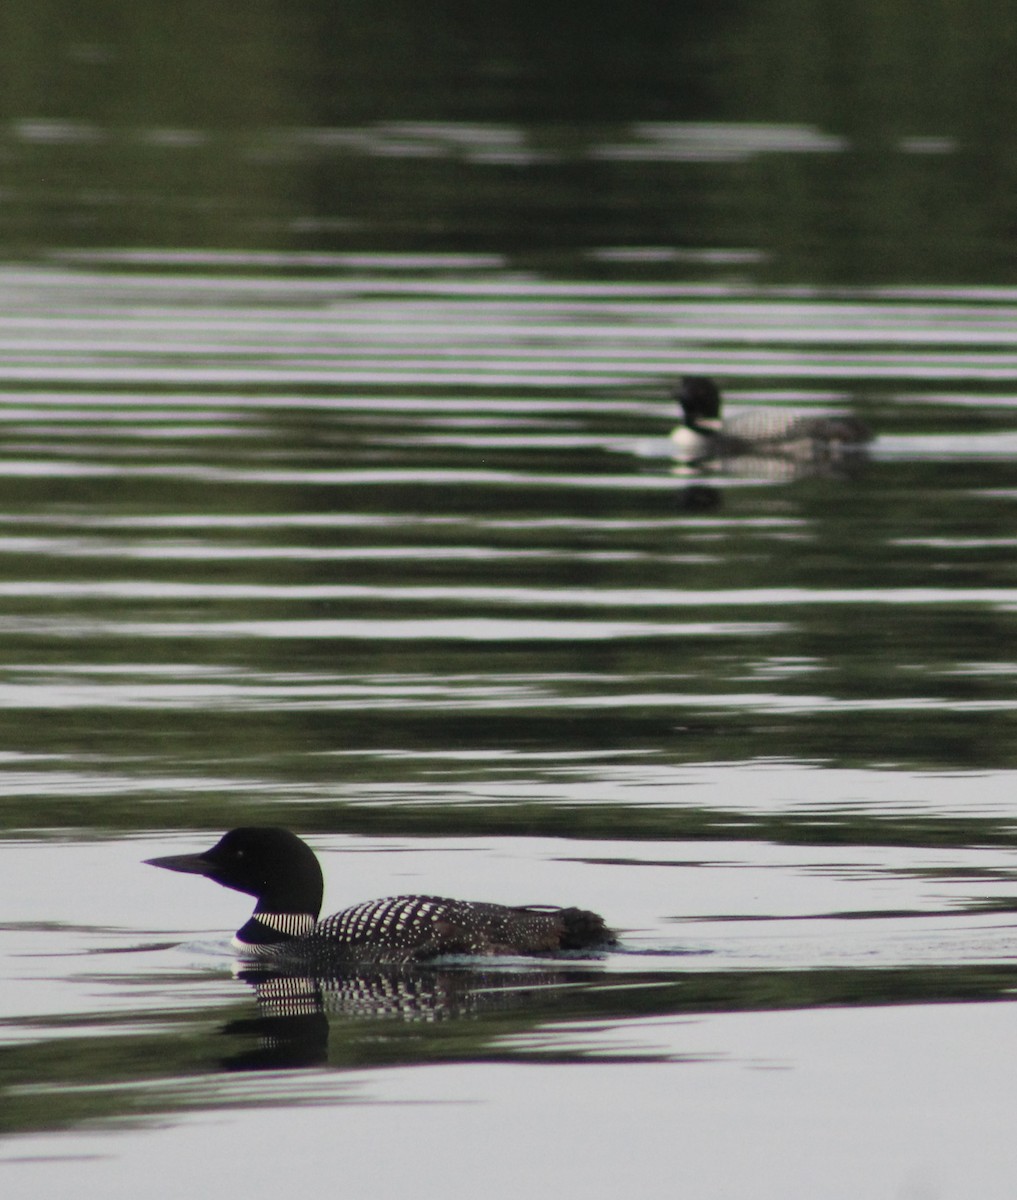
(336, 492)
(404, 562)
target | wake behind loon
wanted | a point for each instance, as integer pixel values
(704, 434)
(282, 872)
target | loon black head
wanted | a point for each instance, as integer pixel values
(263, 861)
(699, 398)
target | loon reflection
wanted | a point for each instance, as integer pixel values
(296, 1012)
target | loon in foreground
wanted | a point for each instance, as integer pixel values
(283, 874)
(704, 435)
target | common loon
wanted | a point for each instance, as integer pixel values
(704, 435)
(282, 872)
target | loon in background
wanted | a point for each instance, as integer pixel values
(704, 436)
(283, 874)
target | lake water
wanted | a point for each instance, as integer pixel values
(336, 492)
(404, 562)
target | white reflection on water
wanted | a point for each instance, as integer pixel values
(762, 599)
(715, 141)
(300, 260)
(560, 371)
(506, 695)
(451, 629)
(497, 330)
(637, 780)
(198, 551)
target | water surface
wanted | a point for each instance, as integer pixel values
(404, 562)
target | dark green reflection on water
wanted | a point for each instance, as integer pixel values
(531, 133)
(817, 666)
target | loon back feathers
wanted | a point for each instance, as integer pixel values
(768, 428)
(282, 871)
(420, 927)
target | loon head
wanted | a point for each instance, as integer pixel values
(699, 398)
(271, 864)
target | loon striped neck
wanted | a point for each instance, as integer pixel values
(271, 929)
